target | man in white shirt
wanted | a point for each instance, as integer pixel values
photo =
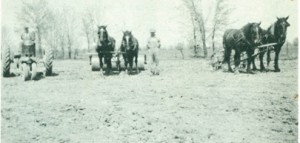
(153, 46)
(27, 44)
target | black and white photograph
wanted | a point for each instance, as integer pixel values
(149, 71)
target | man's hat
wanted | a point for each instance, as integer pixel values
(152, 31)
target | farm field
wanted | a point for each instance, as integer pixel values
(187, 102)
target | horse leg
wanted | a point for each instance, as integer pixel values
(268, 59)
(109, 65)
(227, 56)
(277, 51)
(253, 64)
(249, 54)
(125, 62)
(237, 60)
(136, 63)
(130, 63)
(100, 55)
(261, 60)
(90, 57)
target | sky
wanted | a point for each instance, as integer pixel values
(166, 16)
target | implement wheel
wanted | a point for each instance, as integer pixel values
(6, 62)
(49, 62)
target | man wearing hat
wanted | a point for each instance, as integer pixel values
(27, 44)
(153, 46)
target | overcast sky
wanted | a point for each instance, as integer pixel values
(165, 16)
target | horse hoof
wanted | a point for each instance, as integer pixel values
(250, 72)
(277, 70)
(263, 70)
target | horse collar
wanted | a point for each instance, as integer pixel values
(273, 29)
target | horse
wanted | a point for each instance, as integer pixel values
(240, 40)
(105, 48)
(276, 33)
(130, 49)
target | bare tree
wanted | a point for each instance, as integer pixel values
(88, 24)
(69, 29)
(179, 47)
(36, 13)
(194, 36)
(51, 35)
(220, 19)
(195, 8)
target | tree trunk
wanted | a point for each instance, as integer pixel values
(40, 51)
(69, 47)
(88, 42)
(62, 48)
(181, 51)
(70, 52)
(195, 37)
(203, 41)
(213, 40)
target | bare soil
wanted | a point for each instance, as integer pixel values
(187, 102)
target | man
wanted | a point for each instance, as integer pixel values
(153, 46)
(27, 44)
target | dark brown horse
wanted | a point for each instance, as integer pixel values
(130, 49)
(105, 48)
(276, 33)
(240, 40)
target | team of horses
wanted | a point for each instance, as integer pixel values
(106, 48)
(241, 40)
(251, 36)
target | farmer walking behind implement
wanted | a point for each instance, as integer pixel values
(153, 46)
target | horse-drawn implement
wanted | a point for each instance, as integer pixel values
(117, 62)
(217, 58)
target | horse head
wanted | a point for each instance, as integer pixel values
(127, 40)
(253, 33)
(102, 33)
(281, 26)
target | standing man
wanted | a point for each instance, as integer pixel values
(153, 46)
(27, 44)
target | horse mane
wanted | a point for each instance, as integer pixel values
(246, 31)
(271, 29)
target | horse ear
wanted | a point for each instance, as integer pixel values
(259, 23)
(287, 18)
(105, 26)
